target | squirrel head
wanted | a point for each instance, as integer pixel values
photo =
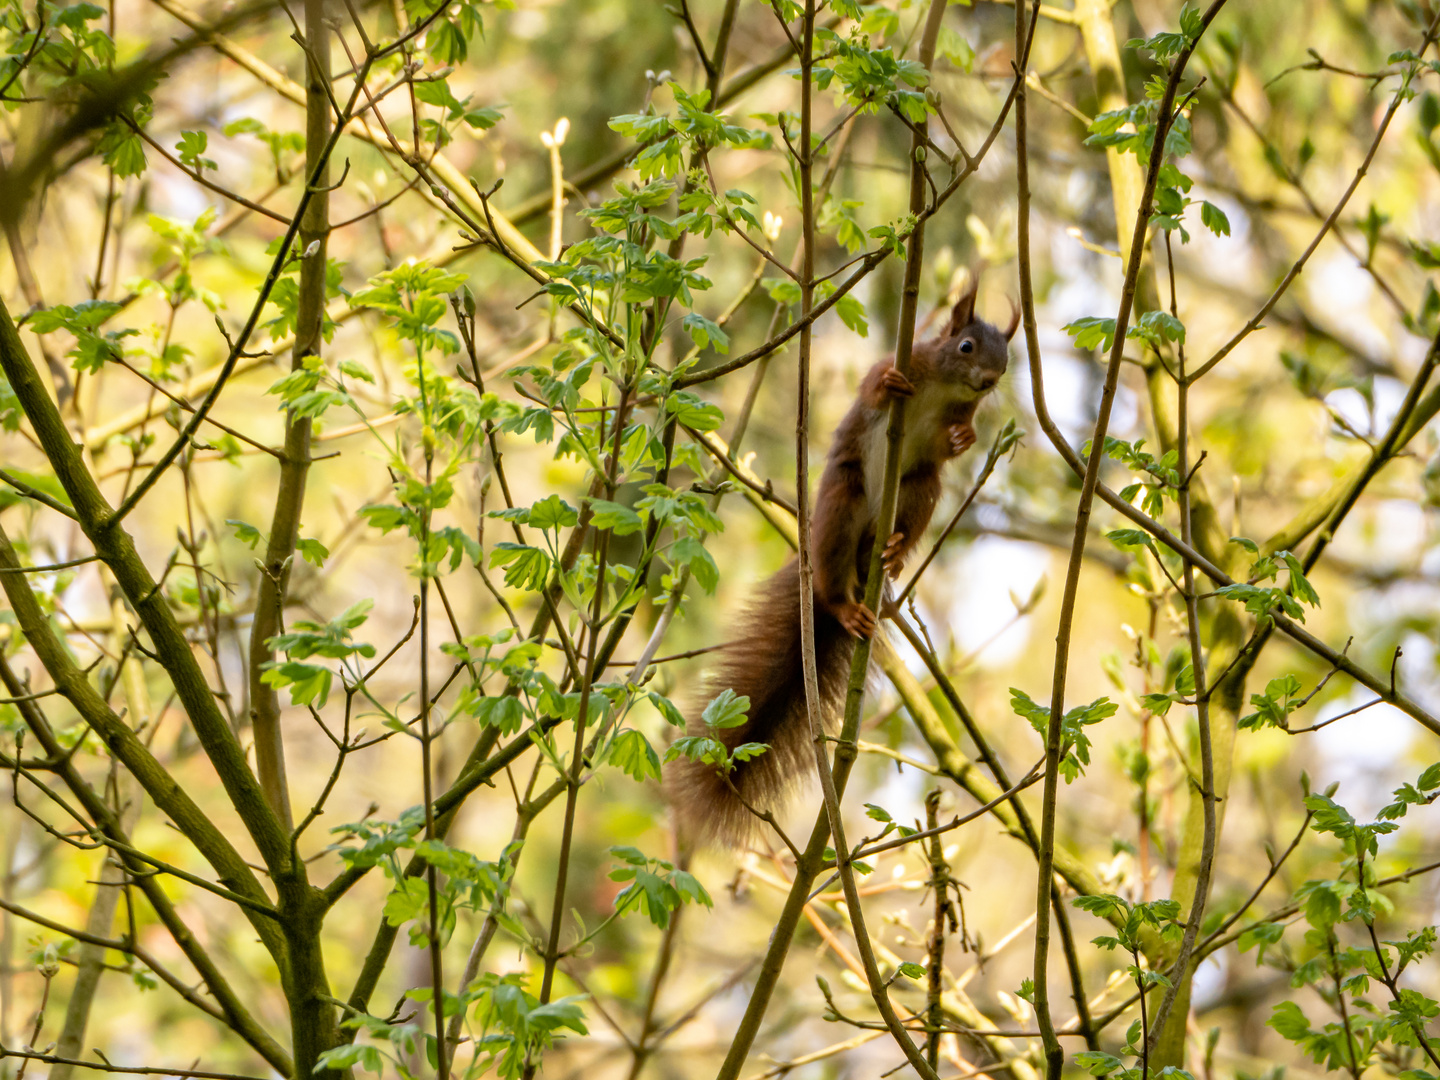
(970, 350)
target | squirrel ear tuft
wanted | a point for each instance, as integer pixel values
(1014, 320)
(963, 314)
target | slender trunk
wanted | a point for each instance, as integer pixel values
(295, 465)
(313, 1019)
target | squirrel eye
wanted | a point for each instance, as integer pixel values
(967, 346)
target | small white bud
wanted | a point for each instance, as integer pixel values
(562, 128)
(771, 226)
(311, 250)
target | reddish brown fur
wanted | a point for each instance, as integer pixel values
(764, 664)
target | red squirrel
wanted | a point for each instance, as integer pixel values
(949, 374)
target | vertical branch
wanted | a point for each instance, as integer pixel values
(808, 865)
(831, 783)
(1225, 699)
(935, 968)
(577, 758)
(432, 887)
(811, 860)
(718, 54)
(806, 166)
(1054, 1055)
(295, 463)
(1202, 702)
(9, 847)
(1353, 1065)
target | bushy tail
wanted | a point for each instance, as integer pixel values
(763, 664)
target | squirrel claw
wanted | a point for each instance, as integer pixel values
(962, 437)
(892, 557)
(896, 384)
(857, 619)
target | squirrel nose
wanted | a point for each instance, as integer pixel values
(987, 380)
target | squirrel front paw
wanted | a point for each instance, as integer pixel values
(892, 556)
(896, 384)
(962, 437)
(857, 619)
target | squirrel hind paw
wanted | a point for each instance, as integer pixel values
(893, 555)
(857, 619)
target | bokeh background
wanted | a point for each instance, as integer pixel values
(1285, 415)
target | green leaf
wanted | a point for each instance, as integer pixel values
(666, 708)
(1157, 327)
(705, 333)
(125, 154)
(308, 683)
(690, 552)
(312, 551)
(407, 900)
(525, 567)
(632, 753)
(1092, 332)
(1098, 1063)
(621, 520)
(700, 748)
(246, 533)
(1430, 778)
(501, 711)
(1159, 704)
(355, 370)
(782, 290)
(553, 513)
(1299, 584)
(1214, 219)
(692, 411)
(641, 127)
(1288, 1019)
(1132, 540)
(190, 149)
(852, 314)
(1259, 937)
(727, 710)
(351, 1055)
(956, 49)
(1274, 706)
(1261, 601)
